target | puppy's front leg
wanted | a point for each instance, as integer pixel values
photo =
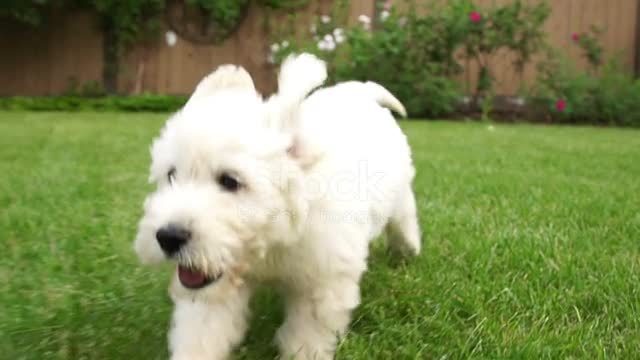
(315, 320)
(208, 330)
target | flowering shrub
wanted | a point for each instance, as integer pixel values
(388, 56)
(606, 95)
(399, 55)
(417, 56)
(591, 46)
(517, 27)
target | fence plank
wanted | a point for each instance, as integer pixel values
(628, 25)
(636, 51)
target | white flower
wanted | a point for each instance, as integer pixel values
(327, 43)
(364, 19)
(519, 101)
(338, 34)
(284, 44)
(275, 47)
(331, 45)
(465, 100)
(313, 28)
(271, 59)
(384, 15)
(171, 38)
(325, 19)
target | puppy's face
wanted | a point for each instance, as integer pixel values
(225, 189)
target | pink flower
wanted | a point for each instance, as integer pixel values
(387, 5)
(475, 17)
(575, 37)
(561, 105)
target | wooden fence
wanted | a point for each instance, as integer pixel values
(46, 61)
(43, 61)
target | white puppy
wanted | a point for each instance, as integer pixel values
(290, 190)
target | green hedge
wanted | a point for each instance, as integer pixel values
(150, 103)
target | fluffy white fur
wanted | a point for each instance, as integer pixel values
(322, 175)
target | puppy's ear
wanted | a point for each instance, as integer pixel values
(225, 77)
(299, 76)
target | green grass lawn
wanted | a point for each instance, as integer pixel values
(531, 246)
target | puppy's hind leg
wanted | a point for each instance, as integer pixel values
(403, 231)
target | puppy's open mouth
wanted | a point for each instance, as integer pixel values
(195, 279)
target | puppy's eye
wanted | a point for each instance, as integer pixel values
(171, 175)
(228, 182)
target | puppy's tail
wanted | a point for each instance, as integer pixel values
(385, 98)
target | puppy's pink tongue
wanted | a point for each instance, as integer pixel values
(191, 278)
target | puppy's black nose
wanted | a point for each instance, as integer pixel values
(171, 238)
